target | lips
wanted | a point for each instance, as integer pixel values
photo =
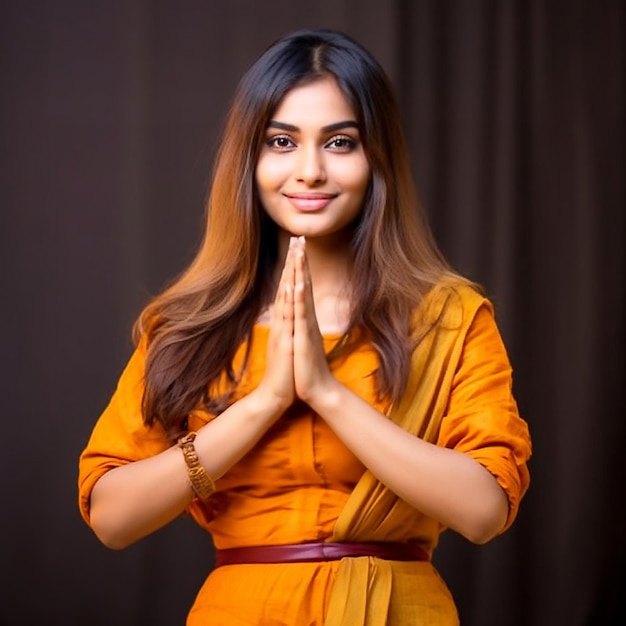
(310, 201)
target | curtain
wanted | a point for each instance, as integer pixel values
(110, 114)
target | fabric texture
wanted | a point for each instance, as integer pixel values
(300, 483)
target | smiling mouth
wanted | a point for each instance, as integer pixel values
(310, 201)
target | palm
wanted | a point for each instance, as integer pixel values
(297, 365)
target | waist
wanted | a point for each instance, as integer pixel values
(320, 551)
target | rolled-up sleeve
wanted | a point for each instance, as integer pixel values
(119, 435)
(482, 418)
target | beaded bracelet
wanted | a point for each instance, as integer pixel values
(201, 483)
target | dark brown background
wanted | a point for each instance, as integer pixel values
(109, 118)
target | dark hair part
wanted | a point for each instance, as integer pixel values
(195, 326)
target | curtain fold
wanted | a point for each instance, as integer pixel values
(110, 114)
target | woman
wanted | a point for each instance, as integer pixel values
(319, 390)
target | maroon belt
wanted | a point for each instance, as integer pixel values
(322, 551)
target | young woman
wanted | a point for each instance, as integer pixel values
(319, 390)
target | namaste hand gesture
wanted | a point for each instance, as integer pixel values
(296, 361)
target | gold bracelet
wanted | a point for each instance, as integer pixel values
(201, 483)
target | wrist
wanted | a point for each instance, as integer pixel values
(267, 402)
(326, 399)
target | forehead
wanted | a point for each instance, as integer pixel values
(320, 102)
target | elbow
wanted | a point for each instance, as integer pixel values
(483, 530)
(112, 542)
(108, 519)
(481, 536)
(488, 521)
(110, 534)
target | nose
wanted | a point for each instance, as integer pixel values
(310, 167)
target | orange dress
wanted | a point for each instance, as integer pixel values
(300, 483)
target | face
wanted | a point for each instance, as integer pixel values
(312, 174)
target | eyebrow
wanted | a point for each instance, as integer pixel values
(325, 129)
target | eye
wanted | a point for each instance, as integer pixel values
(342, 143)
(280, 142)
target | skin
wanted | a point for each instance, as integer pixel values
(447, 485)
(312, 176)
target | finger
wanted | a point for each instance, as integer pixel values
(300, 295)
(287, 277)
(288, 310)
(304, 301)
(284, 324)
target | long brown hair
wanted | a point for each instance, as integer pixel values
(194, 327)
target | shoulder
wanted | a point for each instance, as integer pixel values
(452, 303)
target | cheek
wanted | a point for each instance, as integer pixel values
(270, 172)
(356, 176)
(268, 182)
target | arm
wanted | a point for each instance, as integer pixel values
(446, 484)
(136, 498)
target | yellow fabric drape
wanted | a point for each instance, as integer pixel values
(362, 589)
(300, 483)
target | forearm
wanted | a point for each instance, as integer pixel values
(134, 500)
(444, 484)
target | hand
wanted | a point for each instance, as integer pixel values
(278, 380)
(310, 367)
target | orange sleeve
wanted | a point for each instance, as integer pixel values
(119, 436)
(482, 418)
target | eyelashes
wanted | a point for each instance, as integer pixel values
(280, 142)
(337, 143)
(342, 143)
